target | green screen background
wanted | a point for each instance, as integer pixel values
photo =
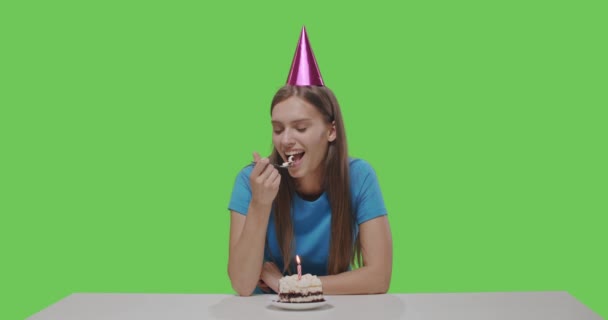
(123, 125)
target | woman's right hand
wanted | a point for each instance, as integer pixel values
(265, 180)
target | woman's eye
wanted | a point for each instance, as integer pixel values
(301, 129)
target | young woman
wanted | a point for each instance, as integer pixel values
(326, 207)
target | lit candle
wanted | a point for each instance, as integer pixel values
(299, 267)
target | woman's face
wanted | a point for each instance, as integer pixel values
(299, 129)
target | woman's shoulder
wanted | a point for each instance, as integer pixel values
(365, 191)
(358, 165)
(360, 171)
(245, 172)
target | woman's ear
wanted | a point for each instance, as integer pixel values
(332, 132)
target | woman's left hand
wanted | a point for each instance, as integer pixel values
(271, 275)
(262, 285)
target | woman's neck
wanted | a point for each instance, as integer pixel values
(310, 187)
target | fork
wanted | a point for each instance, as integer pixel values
(284, 165)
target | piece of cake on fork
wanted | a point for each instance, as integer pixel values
(305, 290)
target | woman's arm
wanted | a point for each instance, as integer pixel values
(375, 276)
(248, 233)
(247, 239)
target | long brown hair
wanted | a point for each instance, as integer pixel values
(344, 249)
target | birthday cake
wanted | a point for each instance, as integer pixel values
(304, 290)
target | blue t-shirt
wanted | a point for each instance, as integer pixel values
(312, 219)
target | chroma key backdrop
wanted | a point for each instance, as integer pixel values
(124, 123)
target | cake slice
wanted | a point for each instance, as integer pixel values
(304, 290)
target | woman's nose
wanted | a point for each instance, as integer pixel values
(287, 137)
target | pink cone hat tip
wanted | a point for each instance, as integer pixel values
(304, 69)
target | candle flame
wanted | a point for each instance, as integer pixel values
(298, 259)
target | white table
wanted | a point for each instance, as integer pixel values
(466, 306)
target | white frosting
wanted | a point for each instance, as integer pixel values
(289, 161)
(308, 283)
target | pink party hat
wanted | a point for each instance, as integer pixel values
(304, 70)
